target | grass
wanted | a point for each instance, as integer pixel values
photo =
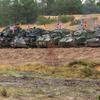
(99, 97)
(3, 92)
(66, 18)
(42, 20)
(14, 92)
(75, 69)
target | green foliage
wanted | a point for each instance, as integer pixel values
(66, 18)
(87, 71)
(81, 63)
(64, 6)
(3, 92)
(42, 20)
(75, 69)
(99, 97)
(27, 11)
(14, 11)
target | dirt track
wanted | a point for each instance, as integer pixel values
(23, 56)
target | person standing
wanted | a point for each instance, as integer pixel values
(59, 25)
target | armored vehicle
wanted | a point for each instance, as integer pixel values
(80, 37)
(18, 42)
(93, 42)
(67, 41)
(43, 41)
(35, 37)
(56, 35)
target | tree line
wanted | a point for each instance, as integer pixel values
(27, 11)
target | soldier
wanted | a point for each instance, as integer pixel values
(17, 28)
(81, 24)
(85, 24)
(12, 28)
(59, 25)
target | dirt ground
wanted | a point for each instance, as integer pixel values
(18, 57)
(43, 88)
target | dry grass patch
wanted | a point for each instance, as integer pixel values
(14, 92)
(76, 69)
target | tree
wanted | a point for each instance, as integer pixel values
(12, 11)
(50, 7)
(91, 6)
(90, 2)
(16, 11)
(4, 11)
(25, 10)
(68, 6)
(98, 3)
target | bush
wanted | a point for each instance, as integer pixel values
(81, 63)
(42, 20)
(66, 18)
(99, 97)
(4, 93)
(87, 71)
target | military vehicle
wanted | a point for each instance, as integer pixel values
(80, 37)
(18, 42)
(43, 41)
(19, 38)
(31, 36)
(67, 41)
(39, 38)
(5, 37)
(93, 42)
(56, 35)
(8, 38)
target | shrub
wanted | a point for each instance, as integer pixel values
(83, 63)
(42, 20)
(99, 97)
(87, 71)
(66, 18)
(3, 92)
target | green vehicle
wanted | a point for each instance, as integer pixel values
(43, 41)
(81, 36)
(93, 42)
(66, 41)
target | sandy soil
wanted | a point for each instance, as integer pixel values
(24, 56)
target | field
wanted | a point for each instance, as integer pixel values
(24, 74)
(16, 57)
(50, 74)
